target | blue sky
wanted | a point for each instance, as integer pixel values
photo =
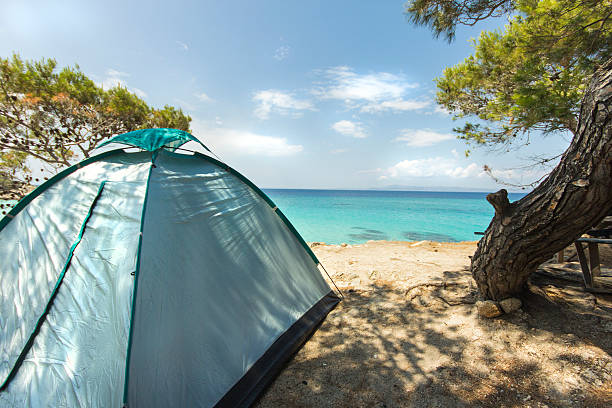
(310, 94)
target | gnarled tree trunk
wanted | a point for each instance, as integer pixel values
(575, 196)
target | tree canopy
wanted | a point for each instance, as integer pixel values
(530, 76)
(12, 165)
(443, 16)
(60, 115)
(549, 70)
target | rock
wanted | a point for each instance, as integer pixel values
(488, 309)
(510, 305)
(314, 244)
(343, 245)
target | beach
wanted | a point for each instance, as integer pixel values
(407, 335)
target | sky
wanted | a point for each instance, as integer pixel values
(327, 94)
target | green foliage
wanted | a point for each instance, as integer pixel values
(12, 162)
(532, 75)
(443, 16)
(60, 115)
(168, 117)
(12, 166)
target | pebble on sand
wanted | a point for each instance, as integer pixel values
(488, 308)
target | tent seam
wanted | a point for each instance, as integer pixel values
(60, 279)
(135, 290)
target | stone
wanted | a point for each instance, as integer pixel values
(343, 245)
(488, 309)
(510, 305)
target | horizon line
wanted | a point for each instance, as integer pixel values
(407, 189)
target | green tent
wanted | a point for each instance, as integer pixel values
(151, 278)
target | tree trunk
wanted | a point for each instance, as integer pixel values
(575, 196)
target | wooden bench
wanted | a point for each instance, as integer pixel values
(591, 270)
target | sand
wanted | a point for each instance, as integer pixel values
(407, 335)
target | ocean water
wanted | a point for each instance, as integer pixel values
(354, 217)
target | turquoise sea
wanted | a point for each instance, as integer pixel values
(337, 216)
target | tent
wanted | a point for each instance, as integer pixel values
(151, 278)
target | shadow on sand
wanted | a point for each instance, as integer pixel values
(424, 346)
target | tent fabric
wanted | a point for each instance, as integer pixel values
(183, 286)
(154, 139)
(254, 381)
(239, 318)
(25, 350)
(79, 353)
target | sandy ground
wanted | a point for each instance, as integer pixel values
(407, 335)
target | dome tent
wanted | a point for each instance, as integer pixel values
(151, 278)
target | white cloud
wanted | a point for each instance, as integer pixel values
(183, 46)
(407, 171)
(470, 170)
(375, 92)
(347, 85)
(442, 110)
(280, 102)
(367, 93)
(396, 105)
(184, 105)
(239, 142)
(114, 78)
(282, 52)
(422, 137)
(203, 97)
(348, 128)
(139, 92)
(114, 73)
(432, 167)
(519, 175)
(112, 82)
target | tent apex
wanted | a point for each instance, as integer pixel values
(154, 139)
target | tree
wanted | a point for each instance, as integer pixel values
(60, 115)
(12, 165)
(549, 71)
(529, 77)
(443, 16)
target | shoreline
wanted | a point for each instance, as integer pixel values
(402, 263)
(313, 244)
